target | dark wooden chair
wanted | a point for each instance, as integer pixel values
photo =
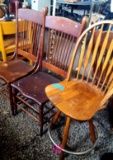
(80, 97)
(29, 44)
(60, 36)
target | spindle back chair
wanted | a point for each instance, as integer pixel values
(88, 90)
(29, 43)
(61, 35)
(96, 56)
(60, 40)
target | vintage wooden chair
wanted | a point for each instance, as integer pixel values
(61, 35)
(80, 97)
(32, 30)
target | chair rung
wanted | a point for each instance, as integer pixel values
(48, 119)
(48, 110)
(4, 96)
(36, 119)
(27, 104)
(3, 87)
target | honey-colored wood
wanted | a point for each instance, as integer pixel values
(55, 118)
(65, 135)
(91, 127)
(81, 98)
(91, 87)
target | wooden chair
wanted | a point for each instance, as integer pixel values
(61, 35)
(7, 38)
(32, 30)
(80, 97)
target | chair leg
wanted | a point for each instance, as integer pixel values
(55, 118)
(15, 100)
(92, 131)
(11, 98)
(41, 119)
(65, 136)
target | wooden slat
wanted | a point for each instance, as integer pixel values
(102, 51)
(88, 53)
(95, 49)
(106, 62)
(100, 56)
(81, 55)
(61, 40)
(54, 69)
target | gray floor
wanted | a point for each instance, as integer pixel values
(20, 140)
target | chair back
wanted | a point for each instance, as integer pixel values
(95, 62)
(30, 33)
(60, 37)
(7, 38)
(8, 28)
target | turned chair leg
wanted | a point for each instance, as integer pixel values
(55, 118)
(65, 136)
(92, 131)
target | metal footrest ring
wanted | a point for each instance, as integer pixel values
(72, 152)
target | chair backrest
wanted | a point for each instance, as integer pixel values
(60, 37)
(8, 27)
(95, 62)
(7, 38)
(29, 33)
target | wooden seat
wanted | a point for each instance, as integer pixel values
(82, 94)
(82, 111)
(60, 36)
(32, 30)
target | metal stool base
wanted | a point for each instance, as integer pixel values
(71, 152)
